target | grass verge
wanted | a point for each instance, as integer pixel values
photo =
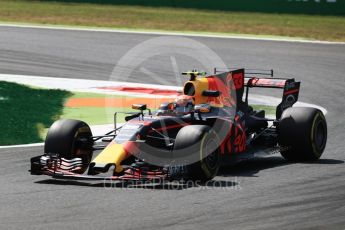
(329, 28)
(25, 112)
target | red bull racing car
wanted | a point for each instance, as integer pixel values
(209, 126)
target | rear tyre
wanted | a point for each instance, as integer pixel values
(302, 134)
(204, 143)
(70, 139)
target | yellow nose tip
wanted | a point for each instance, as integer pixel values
(114, 153)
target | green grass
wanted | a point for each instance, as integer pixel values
(25, 112)
(330, 28)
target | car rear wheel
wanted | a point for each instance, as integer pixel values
(203, 142)
(70, 139)
(302, 134)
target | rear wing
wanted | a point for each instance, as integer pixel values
(265, 79)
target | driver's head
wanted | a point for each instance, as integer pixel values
(183, 100)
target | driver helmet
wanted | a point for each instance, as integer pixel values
(183, 100)
(184, 104)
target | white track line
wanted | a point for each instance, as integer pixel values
(82, 85)
(21, 146)
(166, 33)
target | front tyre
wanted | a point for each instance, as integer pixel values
(203, 142)
(302, 134)
(70, 139)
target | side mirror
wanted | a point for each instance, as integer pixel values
(139, 106)
(211, 93)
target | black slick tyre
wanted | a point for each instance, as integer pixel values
(70, 139)
(302, 134)
(204, 143)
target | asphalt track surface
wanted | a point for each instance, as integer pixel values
(265, 193)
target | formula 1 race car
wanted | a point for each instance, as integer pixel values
(216, 127)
